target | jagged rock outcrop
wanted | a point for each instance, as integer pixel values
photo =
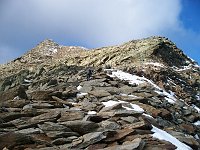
(47, 103)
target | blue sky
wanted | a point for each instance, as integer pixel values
(97, 23)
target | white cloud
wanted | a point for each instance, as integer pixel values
(98, 22)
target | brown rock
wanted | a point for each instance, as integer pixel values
(19, 103)
(10, 140)
(187, 128)
(10, 94)
(71, 116)
(91, 138)
(50, 116)
(120, 134)
(136, 144)
(82, 127)
(41, 95)
(99, 93)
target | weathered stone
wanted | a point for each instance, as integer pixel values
(29, 131)
(10, 140)
(86, 89)
(60, 134)
(14, 103)
(91, 138)
(51, 126)
(120, 134)
(130, 119)
(99, 93)
(10, 94)
(96, 146)
(70, 92)
(136, 144)
(139, 125)
(41, 95)
(60, 101)
(126, 113)
(61, 141)
(109, 125)
(126, 90)
(82, 127)
(13, 115)
(71, 116)
(187, 128)
(111, 90)
(50, 116)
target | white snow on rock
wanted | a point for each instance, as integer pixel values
(197, 123)
(154, 64)
(198, 97)
(163, 135)
(81, 94)
(53, 50)
(133, 106)
(79, 87)
(196, 136)
(28, 81)
(197, 108)
(133, 96)
(134, 79)
(147, 115)
(92, 113)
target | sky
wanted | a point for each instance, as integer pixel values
(97, 23)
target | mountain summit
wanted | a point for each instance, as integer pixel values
(143, 94)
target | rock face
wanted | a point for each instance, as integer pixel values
(151, 89)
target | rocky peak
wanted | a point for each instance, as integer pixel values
(44, 50)
(146, 100)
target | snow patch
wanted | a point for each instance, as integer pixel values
(133, 106)
(92, 113)
(134, 79)
(147, 115)
(197, 123)
(28, 81)
(196, 136)
(79, 87)
(163, 135)
(198, 97)
(197, 108)
(81, 94)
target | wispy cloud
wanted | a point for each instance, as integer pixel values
(91, 23)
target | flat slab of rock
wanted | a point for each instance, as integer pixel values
(136, 144)
(90, 138)
(51, 126)
(30, 131)
(60, 134)
(71, 115)
(50, 116)
(12, 139)
(19, 103)
(82, 127)
(99, 93)
(12, 93)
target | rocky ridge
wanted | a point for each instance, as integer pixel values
(48, 104)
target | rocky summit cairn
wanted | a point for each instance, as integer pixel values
(142, 95)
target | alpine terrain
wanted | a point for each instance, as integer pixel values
(141, 95)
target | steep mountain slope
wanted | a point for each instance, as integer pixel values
(143, 94)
